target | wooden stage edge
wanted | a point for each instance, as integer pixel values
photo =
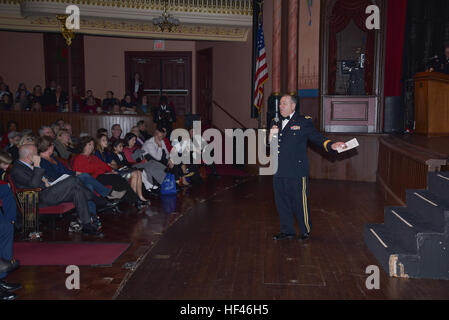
(404, 162)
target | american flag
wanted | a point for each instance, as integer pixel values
(261, 68)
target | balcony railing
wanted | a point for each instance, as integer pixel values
(233, 7)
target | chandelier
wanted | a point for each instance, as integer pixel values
(166, 21)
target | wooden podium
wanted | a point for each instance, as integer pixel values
(432, 104)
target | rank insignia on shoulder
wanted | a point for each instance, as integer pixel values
(295, 128)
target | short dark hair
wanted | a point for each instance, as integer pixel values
(163, 99)
(44, 143)
(141, 122)
(294, 98)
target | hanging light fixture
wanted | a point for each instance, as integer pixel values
(166, 21)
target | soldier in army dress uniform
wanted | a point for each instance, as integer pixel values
(291, 181)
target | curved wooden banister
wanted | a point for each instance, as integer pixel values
(229, 114)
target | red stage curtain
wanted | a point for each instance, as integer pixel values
(397, 13)
(343, 12)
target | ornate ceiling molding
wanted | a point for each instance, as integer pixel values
(222, 20)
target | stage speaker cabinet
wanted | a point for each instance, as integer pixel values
(394, 115)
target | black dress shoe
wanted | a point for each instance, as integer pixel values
(9, 286)
(304, 236)
(92, 230)
(6, 295)
(283, 236)
(8, 266)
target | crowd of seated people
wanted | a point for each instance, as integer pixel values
(94, 173)
(55, 99)
(132, 167)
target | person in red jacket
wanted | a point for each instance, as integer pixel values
(87, 162)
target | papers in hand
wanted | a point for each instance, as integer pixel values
(349, 145)
(61, 178)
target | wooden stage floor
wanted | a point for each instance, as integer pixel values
(218, 246)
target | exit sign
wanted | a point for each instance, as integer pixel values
(159, 45)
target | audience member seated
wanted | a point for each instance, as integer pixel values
(128, 106)
(153, 171)
(4, 90)
(63, 144)
(87, 162)
(136, 132)
(14, 139)
(116, 109)
(90, 93)
(116, 132)
(11, 126)
(156, 149)
(109, 101)
(61, 99)
(55, 169)
(144, 107)
(144, 135)
(90, 106)
(102, 152)
(6, 103)
(102, 131)
(37, 95)
(132, 174)
(27, 173)
(46, 131)
(50, 96)
(27, 139)
(7, 221)
(22, 87)
(23, 101)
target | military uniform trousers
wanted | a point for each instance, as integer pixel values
(7, 219)
(292, 201)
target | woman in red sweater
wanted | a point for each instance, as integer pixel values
(89, 163)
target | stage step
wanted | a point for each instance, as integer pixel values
(393, 258)
(413, 242)
(438, 183)
(405, 228)
(428, 208)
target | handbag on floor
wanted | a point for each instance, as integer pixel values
(168, 186)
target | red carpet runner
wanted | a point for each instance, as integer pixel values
(66, 253)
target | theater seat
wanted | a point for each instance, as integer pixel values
(59, 209)
(27, 201)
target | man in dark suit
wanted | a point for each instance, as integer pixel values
(291, 181)
(27, 173)
(165, 116)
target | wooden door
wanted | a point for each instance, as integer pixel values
(56, 61)
(204, 85)
(163, 73)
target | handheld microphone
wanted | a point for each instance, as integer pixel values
(276, 121)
